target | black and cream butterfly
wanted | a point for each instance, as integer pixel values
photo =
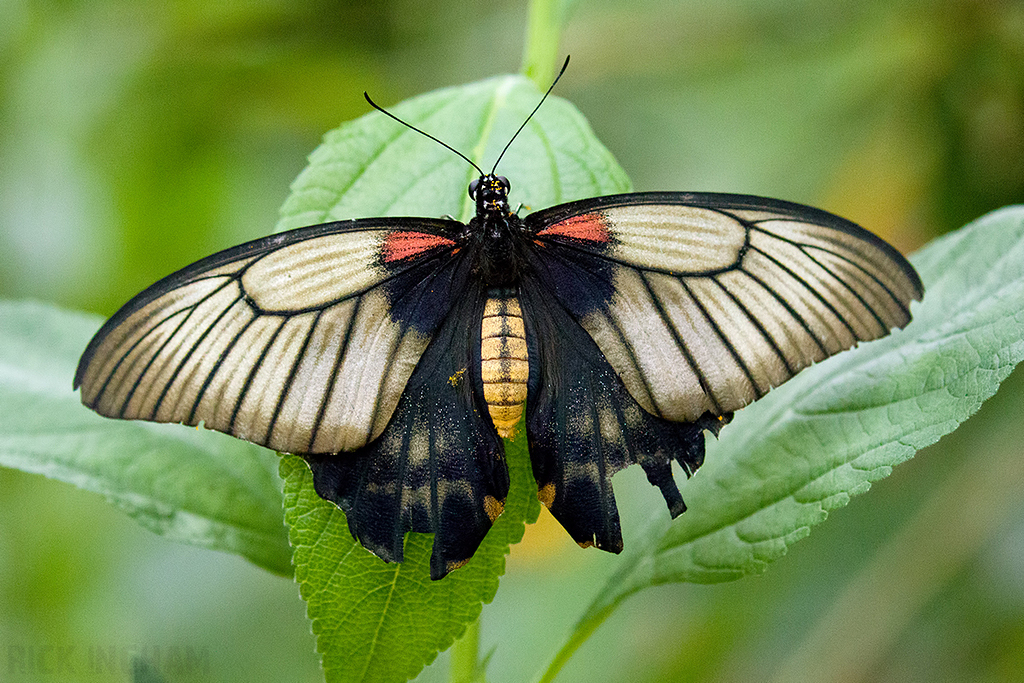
(394, 354)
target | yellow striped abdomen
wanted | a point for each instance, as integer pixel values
(504, 367)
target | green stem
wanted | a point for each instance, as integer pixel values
(464, 667)
(541, 50)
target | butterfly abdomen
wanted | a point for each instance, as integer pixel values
(503, 360)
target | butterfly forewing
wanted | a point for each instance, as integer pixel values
(703, 302)
(291, 341)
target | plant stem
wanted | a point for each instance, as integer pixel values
(464, 667)
(543, 26)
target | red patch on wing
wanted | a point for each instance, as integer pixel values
(399, 246)
(589, 227)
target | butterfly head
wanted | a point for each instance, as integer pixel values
(490, 192)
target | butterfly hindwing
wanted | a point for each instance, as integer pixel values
(301, 341)
(438, 467)
(703, 302)
(584, 426)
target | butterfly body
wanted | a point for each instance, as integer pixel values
(504, 360)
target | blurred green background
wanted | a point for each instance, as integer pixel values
(136, 137)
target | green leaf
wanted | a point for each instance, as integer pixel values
(195, 486)
(376, 621)
(373, 166)
(384, 622)
(827, 434)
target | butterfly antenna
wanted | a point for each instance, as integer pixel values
(424, 133)
(550, 88)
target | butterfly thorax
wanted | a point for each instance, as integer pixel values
(498, 232)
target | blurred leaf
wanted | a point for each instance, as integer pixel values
(384, 622)
(872, 616)
(195, 486)
(827, 434)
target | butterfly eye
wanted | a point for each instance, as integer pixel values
(504, 182)
(473, 184)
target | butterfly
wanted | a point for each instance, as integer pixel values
(396, 354)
